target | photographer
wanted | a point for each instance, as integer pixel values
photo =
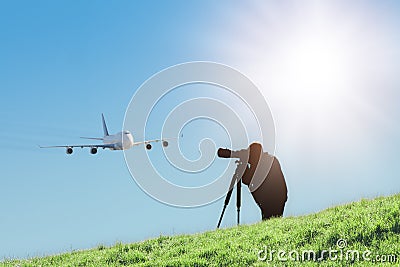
(264, 177)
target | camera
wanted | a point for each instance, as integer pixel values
(227, 153)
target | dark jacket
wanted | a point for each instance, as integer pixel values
(267, 185)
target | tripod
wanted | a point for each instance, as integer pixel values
(236, 178)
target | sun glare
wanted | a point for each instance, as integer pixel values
(315, 68)
(310, 64)
(314, 63)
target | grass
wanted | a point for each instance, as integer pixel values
(372, 225)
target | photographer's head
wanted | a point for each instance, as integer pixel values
(255, 152)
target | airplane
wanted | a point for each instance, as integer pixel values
(119, 141)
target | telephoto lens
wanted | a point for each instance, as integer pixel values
(227, 153)
(224, 153)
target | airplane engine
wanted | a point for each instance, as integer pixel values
(165, 143)
(69, 150)
(148, 146)
(93, 150)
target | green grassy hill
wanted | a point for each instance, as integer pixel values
(370, 228)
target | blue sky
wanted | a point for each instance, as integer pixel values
(64, 63)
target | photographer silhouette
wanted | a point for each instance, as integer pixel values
(264, 177)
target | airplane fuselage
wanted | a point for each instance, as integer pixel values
(120, 141)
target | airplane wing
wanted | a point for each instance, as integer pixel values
(93, 148)
(82, 146)
(164, 141)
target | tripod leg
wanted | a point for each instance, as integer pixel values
(238, 181)
(227, 199)
(222, 215)
(238, 198)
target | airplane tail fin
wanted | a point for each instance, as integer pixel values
(104, 125)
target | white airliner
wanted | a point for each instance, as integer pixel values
(119, 141)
